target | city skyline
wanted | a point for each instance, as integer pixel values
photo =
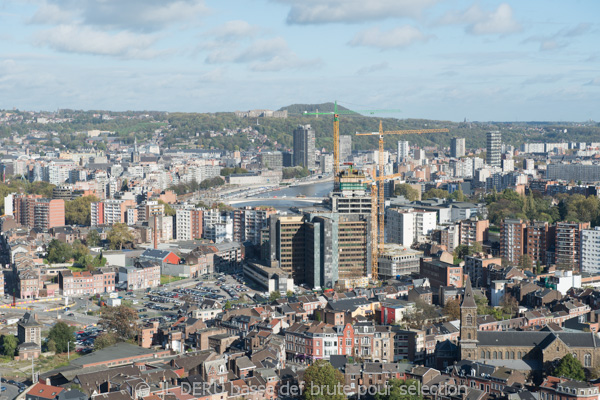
(503, 61)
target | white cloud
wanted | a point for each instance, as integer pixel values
(484, 22)
(86, 40)
(234, 30)
(352, 11)
(131, 15)
(373, 68)
(560, 39)
(261, 55)
(52, 14)
(396, 38)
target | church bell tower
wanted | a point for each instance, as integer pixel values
(468, 324)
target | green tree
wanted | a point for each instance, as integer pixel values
(227, 305)
(457, 195)
(62, 335)
(212, 183)
(295, 172)
(118, 235)
(289, 293)
(78, 211)
(509, 304)
(51, 346)
(401, 390)
(435, 194)
(124, 185)
(406, 190)
(59, 252)
(274, 295)
(569, 367)
(93, 238)
(323, 382)
(120, 321)
(9, 345)
(236, 170)
(105, 339)
(169, 210)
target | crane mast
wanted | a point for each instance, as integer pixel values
(378, 193)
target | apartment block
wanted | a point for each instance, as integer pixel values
(450, 237)
(457, 147)
(110, 212)
(248, 222)
(512, 240)
(539, 240)
(590, 250)
(568, 243)
(406, 226)
(189, 224)
(33, 211)
(142, 276)
(473, 230)
(477, 267)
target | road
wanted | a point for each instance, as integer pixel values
(10, 393)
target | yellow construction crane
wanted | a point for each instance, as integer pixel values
(336, 130)
(377, 213)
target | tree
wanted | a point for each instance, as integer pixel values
(227, 305)
(120, 320)
(124, 185)
(105, 339)
(406, 190)
(525, 262)
(118, 235)
(274, 295)
(289, 293)
(323, 382)
(569, 367)
(400, 390)
(93, 238)
(51, 346)
(435, 194)
(59, 252)
(212, 182)
(78, 211)
(169, 210)
(9, 345)
(457, 195)
(452, 309)
(62, 335)
(509, 304)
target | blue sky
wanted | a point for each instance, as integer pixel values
(438, 59)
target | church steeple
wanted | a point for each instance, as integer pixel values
(468, 324)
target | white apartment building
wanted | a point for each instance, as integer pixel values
(590, 250)
(406, 226)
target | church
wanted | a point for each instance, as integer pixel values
(521, 350)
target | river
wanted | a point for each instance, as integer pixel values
(319, 189)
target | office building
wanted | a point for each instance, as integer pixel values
(350, 194)
(573, 172)
(494, 149)
(288, 245)
(304, 147)
(271, 160)
(512, 240)
(590, 251)
(457, 147)
(110, 212)
(345, 147)
(441, 273)
(403, 150)
(568, 243)
(398, 260)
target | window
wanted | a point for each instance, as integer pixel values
(587, 360)
(482, 354)
(495, 355)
